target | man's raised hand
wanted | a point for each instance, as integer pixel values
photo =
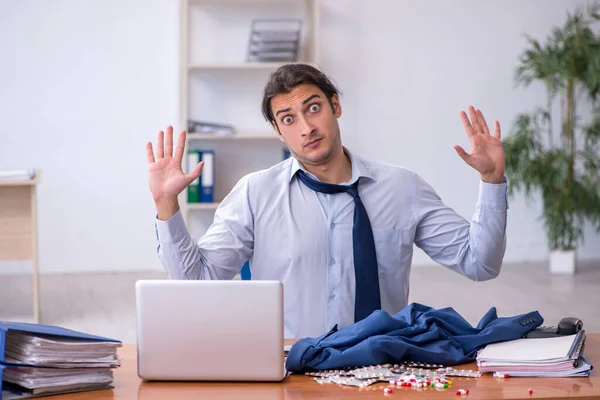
(165, 174)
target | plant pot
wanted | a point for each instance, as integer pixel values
(562, 262)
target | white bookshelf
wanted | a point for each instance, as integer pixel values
(203, 206)
(238, 136)
(268, 66)
(218, 85)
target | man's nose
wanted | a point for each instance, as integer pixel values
(307, 127)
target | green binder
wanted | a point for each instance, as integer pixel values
(193, 190)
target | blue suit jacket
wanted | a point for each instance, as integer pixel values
(417, 333)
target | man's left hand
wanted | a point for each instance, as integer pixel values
(487, 155)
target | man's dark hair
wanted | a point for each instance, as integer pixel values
(287, 77)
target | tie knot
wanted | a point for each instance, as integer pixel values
(353, 189)
(328, 188)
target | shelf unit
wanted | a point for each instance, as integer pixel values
(217, 85)
(250, 136)
(203, 206)
(267, 66)
(18, 228)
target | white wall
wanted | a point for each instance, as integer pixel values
(409, 67)
(83, 86)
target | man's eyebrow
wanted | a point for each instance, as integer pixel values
(310, 98)
(304, 102)
(284, 110)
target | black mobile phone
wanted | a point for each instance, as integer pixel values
(566, 326)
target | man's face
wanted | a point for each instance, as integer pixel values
(307, 124)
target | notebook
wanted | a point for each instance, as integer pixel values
(554, 356)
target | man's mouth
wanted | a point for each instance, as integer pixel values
(312, 143)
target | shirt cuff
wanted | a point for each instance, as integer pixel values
(494, 195)
(172, 230)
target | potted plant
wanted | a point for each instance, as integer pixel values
(554, 150)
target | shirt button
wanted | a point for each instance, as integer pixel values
(331, 296)
(332, 225)
(331, 261)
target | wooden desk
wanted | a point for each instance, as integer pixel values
(18, 228)
(129, 386)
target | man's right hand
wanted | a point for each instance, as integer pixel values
(165, 174)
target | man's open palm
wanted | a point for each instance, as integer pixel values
(166, 177)
(487, 155)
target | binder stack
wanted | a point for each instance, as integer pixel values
(40, 360)
(201, 190)
(560, 356)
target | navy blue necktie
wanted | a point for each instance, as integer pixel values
(367, 298)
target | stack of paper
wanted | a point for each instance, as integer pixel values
(17, 175)
(37, 381)
(210, 128)
(273, 40)
(559, 356)
(40, 360)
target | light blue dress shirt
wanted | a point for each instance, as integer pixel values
(304, 239)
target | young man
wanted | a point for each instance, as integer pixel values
(336, 229)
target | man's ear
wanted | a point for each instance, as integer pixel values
(337, 107)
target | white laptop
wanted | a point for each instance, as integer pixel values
(210, 330)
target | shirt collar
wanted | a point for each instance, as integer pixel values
(358, 168)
